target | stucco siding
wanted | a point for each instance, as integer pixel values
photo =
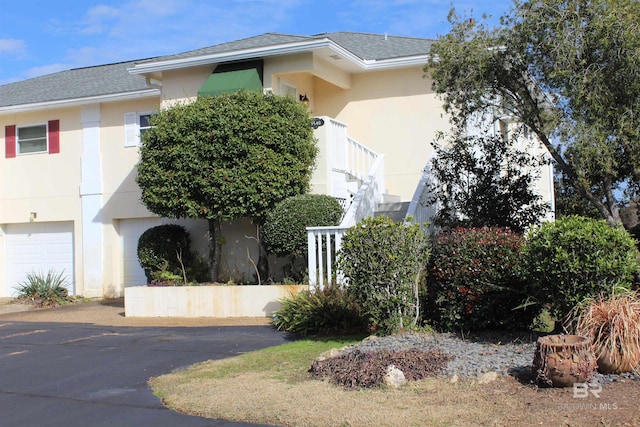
(392, 112)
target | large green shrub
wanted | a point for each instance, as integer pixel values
(328, 310)
(574, 258)
(474, 281)
(384, 262)
(284, 231)
(165, 250)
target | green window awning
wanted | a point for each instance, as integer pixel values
(231, 81)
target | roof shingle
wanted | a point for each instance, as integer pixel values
(114, 78)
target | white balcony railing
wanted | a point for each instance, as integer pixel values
(345, 153)
(350, 158)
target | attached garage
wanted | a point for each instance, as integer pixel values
(130, 232)
(38, 248)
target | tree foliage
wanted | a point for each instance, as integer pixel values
(226, 157)
(568, 70)
(485, 182)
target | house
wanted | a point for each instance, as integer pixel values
(68, 197)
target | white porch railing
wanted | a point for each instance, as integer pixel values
(324, 243)
(346, 154)
(421, 210)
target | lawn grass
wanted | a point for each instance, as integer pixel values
(272, 386)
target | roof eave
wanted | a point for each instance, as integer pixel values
(237, 55)
(267, 51)
(408, 61)
(75, 102)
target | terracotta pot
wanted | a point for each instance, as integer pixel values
(563, 360)
(618, 362)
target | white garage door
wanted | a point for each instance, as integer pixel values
(39, 248)
(130, 232)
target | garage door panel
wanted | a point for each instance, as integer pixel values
(130, 232)
(39, 248)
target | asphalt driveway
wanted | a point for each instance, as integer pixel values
(67, 374)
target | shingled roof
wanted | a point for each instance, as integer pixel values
(364, 45)
(72, 84)
(113, 79)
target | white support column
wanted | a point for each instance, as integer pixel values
(92, 203)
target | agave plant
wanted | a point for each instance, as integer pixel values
(44, 290)
(613, 323)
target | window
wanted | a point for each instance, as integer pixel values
(135, 125)
(32, 139)
(143, 123)
(287, 88)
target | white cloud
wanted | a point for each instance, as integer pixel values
(12, 47)
(96, 19)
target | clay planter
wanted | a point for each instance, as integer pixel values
(563, 360)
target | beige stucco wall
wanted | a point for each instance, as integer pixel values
(119, 161)
(47, 184)
(392, 112)
(183, 84)
(42, 182)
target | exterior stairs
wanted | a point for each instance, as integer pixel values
(393, 208)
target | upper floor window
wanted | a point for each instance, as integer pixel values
(32, 139)
(143, 122)
(135, 125)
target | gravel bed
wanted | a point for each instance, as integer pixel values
(504, 353)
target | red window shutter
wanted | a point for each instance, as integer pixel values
(54, 136)
(10, 141)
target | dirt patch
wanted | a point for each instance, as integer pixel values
(109, 312)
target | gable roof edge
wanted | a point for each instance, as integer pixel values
(275, 50)
(236, 55)
(75, 102)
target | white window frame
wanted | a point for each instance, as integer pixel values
(132, 128)
(287, 87)
(46, 139)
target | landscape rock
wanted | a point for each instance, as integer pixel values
(487, 377)
(334, 352)
(394, 377)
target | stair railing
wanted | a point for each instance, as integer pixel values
(324, 243)
(421, 208)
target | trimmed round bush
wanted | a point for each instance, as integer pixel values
(384, 262)
(284, 230)
(575, 258)
(158, 251)
(475, 282)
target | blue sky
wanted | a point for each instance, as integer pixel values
(50, 36)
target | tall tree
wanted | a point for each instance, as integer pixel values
(569, 71)
(226, 157)
(483, 181)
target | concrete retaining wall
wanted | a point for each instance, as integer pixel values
(206, 301)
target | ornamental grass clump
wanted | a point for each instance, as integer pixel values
(319, 311)
(45, 290)
(613, 323)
